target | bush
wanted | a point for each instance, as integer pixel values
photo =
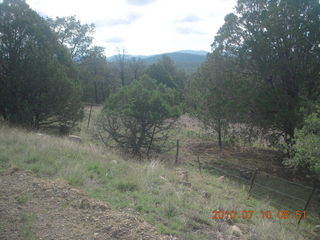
(137, 117)
(307, 147)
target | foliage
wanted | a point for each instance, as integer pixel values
(138, 116)
(307, 147)
(38, 84)
(185, 61)
(214, 92)
(136, 68)
(72, 34)
(165, 72)
(97, 81)
(277, 43)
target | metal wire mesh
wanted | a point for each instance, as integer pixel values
(283, 195)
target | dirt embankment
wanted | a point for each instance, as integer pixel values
(33, 208)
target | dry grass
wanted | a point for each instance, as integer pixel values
(150, 189)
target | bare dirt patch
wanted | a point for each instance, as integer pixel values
(33, 208)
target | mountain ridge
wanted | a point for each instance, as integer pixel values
(186, 60)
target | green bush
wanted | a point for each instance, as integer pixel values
(137, 117)
(307, 147)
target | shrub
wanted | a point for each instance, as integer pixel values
(137, 117)
(307, 147)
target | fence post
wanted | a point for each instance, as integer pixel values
(177, 153)
(252, 181)
(307, 203)
(199, 163)
(89, 116)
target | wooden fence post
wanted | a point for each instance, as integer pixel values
(177, 153)
(307, 203)
(89, 116)
(252, 181)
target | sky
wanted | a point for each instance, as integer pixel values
(144, 27)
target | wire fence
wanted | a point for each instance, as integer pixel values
(278, 192)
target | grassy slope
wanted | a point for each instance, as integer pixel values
(150, 189)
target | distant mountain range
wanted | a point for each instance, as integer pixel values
(186, 60)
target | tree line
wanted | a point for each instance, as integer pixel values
(263, 76)
(49, 68)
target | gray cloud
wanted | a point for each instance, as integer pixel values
(188, 30)
(131, 17)
(114, 40)
(190, 18)
(139, 2)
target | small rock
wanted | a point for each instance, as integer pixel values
(316, 230)
(84, 204)
(221, 178)
(28, 172)
(235, 231)
(95, 234)
(114, 161)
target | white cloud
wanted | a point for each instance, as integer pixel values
(114, 40)
(190, 18)
(139, 2)
(145, 26)
(188, 30)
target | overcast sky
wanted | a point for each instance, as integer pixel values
(145, 27)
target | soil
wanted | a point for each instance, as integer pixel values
(34, 208)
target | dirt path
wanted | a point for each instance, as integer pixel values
(33, 208)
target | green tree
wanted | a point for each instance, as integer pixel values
(138, 116)
(165, 72)
(71, 33)
(136, 68)
(38, 84)
(97, 81)
(213, 94)
(277, 42)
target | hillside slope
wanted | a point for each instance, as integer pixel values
(32, 208)
(154, 191)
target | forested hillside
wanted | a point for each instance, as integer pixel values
(249, 108)
(185, 60)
